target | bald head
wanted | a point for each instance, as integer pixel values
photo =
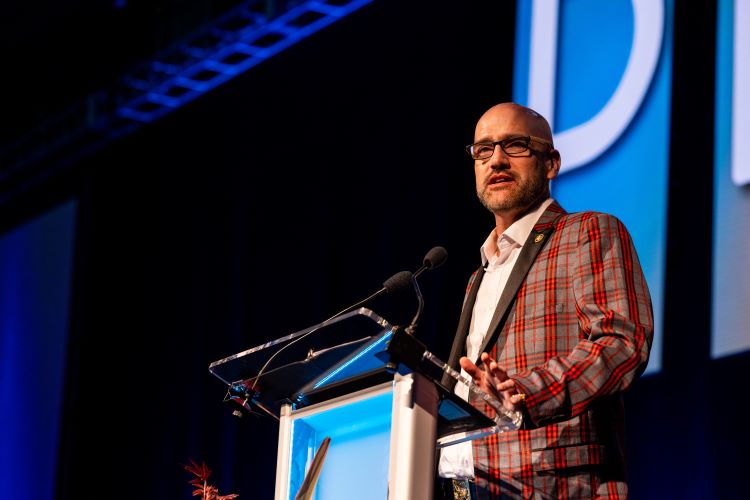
(509, 185)
(509, 115)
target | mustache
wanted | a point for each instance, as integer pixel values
(489, 178)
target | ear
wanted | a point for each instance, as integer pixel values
(552, 163)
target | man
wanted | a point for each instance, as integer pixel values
(556, 323)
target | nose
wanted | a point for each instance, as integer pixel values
(498, 160)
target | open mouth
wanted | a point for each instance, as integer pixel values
(499, 179)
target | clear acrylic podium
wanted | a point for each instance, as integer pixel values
(370, 388)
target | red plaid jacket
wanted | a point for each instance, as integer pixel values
(573, 328)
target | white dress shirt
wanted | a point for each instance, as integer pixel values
(499, 255)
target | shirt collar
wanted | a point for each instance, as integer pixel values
(516, 234)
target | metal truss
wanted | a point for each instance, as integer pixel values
(234, 43)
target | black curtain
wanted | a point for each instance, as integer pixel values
(260, 209)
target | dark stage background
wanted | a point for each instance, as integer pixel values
(295, 190)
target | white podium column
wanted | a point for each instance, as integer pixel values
(411, 470)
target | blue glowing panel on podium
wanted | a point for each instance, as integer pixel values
(601, 73)
(731, 245)
(357, 458)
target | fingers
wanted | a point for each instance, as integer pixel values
(466, 364)
(486, 359)
(494, 379)
(488, 366)
(493, 368)
(506, 385)
(480, 376)
(509, 392)
(470, 367)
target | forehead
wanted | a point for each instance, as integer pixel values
(501, 122)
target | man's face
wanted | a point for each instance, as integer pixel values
(510, 185)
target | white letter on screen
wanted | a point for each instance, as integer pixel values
(585, 142)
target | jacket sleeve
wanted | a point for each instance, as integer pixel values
(615, 324)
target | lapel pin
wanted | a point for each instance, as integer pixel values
(539, 237)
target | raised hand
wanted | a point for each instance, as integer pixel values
(493, 379)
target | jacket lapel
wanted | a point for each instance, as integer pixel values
(459, 341)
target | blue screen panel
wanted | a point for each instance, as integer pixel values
(35, 275)
(731, 245)
(601, 73)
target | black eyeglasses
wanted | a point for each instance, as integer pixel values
(512, 146)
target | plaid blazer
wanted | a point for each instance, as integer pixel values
(573, 328)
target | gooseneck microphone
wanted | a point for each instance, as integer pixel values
(396, 283)
(436, 257)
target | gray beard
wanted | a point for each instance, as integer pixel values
(526, 195)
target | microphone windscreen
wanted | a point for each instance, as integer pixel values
(436, 257)
(397, 282)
